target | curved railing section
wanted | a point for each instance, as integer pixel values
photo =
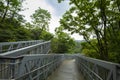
(39, 48)
(94, 69)
(29, 67)
(9, 46)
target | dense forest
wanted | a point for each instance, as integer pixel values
(13, 27)
(98, 21)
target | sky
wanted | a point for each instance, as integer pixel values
(56, 10)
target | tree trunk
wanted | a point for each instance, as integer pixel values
(118, 5)
(6, 10)
(103, 18)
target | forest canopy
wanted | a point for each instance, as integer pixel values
(13, 26)
(98, 21)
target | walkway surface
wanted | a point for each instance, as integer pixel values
(67, 71)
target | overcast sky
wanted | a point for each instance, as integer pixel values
(56, 9)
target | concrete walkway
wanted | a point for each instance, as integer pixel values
(67, 71)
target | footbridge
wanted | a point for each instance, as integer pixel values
(32, 60)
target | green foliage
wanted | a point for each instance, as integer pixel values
(88, 50)
(41, 18)
(39, 26)
(22, 34)
(46, 36)
(12, 26)
(78, 47)
(95, 19)
(10, 9)
(98, 21)
(36, 33)
(62, 43)
(6, 35)
(113, 55)
(114, 48)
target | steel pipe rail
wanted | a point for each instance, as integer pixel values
(40, 48)
(9, 46)
(94, 69)
(30, 67)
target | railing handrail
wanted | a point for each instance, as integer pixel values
(92, 68)
(98, 61)
(22, 50)
(23, 68)
(113, 68)
(9, 46)
(11, 58)
(8, 43)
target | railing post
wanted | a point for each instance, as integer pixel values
(0, 48)
(116, 72)
(12, 69)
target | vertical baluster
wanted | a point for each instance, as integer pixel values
(10, 47)
(0, 48)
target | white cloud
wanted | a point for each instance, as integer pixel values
(77, 37)
(54, 23)
(32, 5)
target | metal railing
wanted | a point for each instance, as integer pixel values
(40, 48)
(29, 67)
(94, 69)
(9, 46)
(8, 66)
(39, 65)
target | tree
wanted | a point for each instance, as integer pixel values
(12, 27)
(62, 42)
(41, 18)
(6, 35)
(88, 50)
(10, 9)
(40, 22)
(10, 20)
(78, 46)
(93, 18)
(22, 34)
(46, 36)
